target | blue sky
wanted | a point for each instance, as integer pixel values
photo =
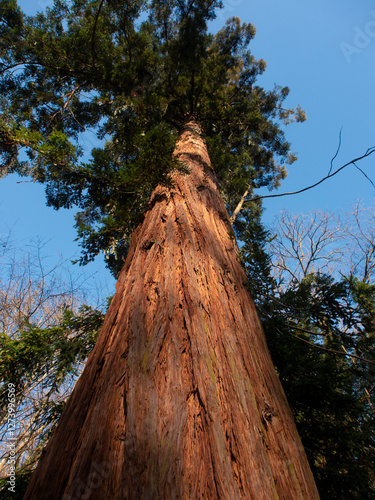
(324, 52)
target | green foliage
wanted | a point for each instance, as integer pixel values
(42, 364)
(22, 480)
(53, 351)
(131, 74)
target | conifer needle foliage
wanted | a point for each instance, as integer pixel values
(125, 76)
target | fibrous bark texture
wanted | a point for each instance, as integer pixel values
(179, 398)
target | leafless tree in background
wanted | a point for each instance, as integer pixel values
(304, 244)
(361, 232)
(323, 242)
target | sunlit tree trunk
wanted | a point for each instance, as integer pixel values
(179, 399)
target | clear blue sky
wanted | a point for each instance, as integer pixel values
(324, 52)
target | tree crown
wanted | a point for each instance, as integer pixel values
(132, 73)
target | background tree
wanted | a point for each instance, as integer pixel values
(318, 317)
(306, 244)
(323, 242)
(46, 334)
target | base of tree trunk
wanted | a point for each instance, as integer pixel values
(179, 398)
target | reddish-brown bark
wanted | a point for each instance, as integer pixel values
(179, 398)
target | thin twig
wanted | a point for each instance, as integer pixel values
(364, 173)
(61, 111)
(337, 152)
(93, 53)
(303, 329)
(332, 351)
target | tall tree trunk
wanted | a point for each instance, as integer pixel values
(179, 398)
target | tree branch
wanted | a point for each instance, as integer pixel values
(332, 351)
(303, 330)
(364, 173)
(337, 152)
(93, 52)
(238, 208)
(369, 152)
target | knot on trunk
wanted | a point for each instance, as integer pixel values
(267, 414)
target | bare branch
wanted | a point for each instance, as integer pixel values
(66, 103)
(369, 152)
(337, 152)
(306, 243)
(362, 235)
(303, 330)
(332, 351)
(364, 173)
(239, 206)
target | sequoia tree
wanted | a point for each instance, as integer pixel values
(179, 398)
